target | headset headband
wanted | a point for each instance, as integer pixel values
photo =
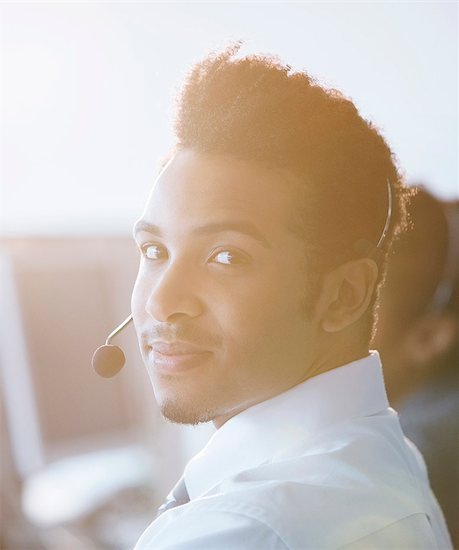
(388, 217)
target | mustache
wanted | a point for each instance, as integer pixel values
(169, 332)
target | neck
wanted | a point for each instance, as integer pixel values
(334, 354)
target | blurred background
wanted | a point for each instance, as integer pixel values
(87, 100)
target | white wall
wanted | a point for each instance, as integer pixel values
(88, 87)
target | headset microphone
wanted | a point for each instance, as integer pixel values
(108, 360)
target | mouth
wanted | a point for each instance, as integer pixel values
(176, 356)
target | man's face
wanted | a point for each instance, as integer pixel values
(218, 303)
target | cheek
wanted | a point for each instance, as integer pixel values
(138, 300)
(268, 317)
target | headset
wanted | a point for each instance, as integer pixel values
(108, 359)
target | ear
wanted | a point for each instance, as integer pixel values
(346, 294)
(429, 338)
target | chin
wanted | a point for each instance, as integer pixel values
(194, 401)
(181, 411)
(185, 399)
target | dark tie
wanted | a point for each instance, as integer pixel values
(177, 497)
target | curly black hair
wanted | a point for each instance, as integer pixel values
(255, 108)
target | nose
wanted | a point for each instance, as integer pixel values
(173, 295)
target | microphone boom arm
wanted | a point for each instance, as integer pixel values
(118, 329)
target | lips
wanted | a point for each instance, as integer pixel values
(176, 357)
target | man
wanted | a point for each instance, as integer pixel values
(418, 338)
(261, 248)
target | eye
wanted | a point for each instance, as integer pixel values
(229, 257)
(152, 251)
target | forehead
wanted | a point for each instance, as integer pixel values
(196, 187)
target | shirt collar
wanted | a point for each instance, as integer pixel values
(258, 433)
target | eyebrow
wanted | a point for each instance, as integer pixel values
(245, 228)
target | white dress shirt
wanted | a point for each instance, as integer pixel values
(323, 465)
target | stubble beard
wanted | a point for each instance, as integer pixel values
(181, 411)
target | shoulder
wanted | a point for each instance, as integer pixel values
(214, 525)
(335, 488)
(211, 524)
(331, 490)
